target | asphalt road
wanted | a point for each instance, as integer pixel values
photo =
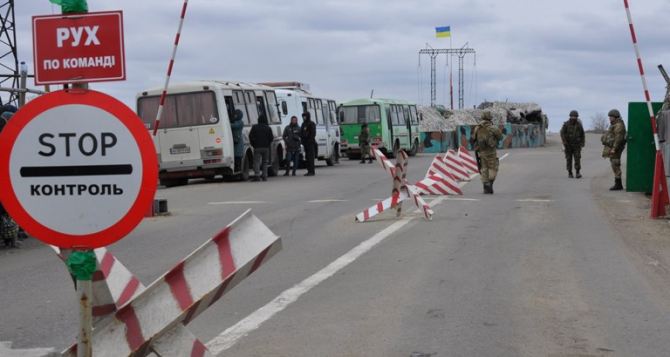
(538, 269)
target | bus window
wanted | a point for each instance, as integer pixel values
(304, 107)
(394, 115)
(360, 114)
(230, 106)
(333, 112)
(311, 108)
(262, 109)
(284, 107)
(252, 108)
(181, 110)
(326, 113)
(272, 107)
(319, 112)
(415, 119)
(405, 110)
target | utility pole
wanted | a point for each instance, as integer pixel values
(9, 62)
(434, 53)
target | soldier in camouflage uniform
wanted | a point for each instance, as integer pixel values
(572, 135)
(364, 142)
(614, 142)
(486, 137)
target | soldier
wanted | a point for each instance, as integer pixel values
(614, 142)
(572, 135)
(364, 141)
(486, 137)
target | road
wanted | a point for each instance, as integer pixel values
(548, 266)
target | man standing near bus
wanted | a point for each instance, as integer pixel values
(308, 131)
(292, 139)
(261, 138)
(364, 141)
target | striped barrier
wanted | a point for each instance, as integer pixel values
(455, 166)
(402, 190)
(467, 160)
(435, 185)
(154, 318)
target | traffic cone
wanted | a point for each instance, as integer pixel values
(659, 195)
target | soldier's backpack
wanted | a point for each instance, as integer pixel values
(483, 138)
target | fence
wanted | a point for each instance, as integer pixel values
(514, 136)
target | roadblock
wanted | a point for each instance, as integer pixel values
(134, 320)
(402, 190)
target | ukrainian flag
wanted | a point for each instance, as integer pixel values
(443, 32)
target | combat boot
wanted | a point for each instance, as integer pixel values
(617, 185)
(570, 174)
(488, 188)
(579, 175)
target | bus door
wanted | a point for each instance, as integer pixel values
(389, 121)
(408, 124)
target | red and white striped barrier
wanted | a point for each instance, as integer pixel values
(154, 319)
(439, 168)
(435, 185)
(170, 66)
(455, 166)
(467, 160)
(402, 190)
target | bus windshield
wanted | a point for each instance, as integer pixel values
(181, 110)
(360, 114)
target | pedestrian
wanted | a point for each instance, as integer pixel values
(364, 141)
(237, 127)
(486, 137)
(614, 142)
(572, 135)
(308, 136)
(292, 139)
(261, 138)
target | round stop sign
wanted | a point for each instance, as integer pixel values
(77, 169)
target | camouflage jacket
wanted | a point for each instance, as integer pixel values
(573, 134)
(486, 137)
(615, 138)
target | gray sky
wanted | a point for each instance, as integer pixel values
(561, 54)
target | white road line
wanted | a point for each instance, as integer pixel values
(237, 203)
(534, 200)
(325, 201)
(463, 199)
(230, 336)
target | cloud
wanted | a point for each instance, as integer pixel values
(563, 55)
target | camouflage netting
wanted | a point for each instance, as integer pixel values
(440, 119)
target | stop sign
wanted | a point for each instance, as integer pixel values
(77, 170)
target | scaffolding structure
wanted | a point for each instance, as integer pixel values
(9, 62)
(433, 53)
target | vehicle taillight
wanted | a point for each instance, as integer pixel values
(213, 153)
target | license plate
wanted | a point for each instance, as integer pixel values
(180, 150)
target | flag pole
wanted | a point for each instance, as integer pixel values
(451, 72)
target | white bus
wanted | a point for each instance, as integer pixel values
(294, 98)
(194, 137)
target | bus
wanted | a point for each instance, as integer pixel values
(194, 138)
(294, 99)
(393, 124)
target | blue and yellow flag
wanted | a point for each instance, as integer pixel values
(442, 32)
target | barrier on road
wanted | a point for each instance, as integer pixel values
(138, 320)
(402, 190)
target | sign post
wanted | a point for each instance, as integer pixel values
(80, 171)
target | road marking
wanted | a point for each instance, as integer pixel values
(237, 203)
(233, 334)
(325, 201)
(534, 200)
(463, 199)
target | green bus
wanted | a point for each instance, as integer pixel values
(394, 125)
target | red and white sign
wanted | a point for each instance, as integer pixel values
(78, 48)
(77, 169)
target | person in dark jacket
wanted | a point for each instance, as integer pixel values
(292, 139)
(237, 126)
(308, 136)
(261, 138)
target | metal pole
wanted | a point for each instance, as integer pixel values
(461, 81)
(23, 84)
(433, 79)
(85, 297)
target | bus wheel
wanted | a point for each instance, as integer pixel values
(334, 157)
(415, 148)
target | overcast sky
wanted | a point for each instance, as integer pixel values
(562, 55)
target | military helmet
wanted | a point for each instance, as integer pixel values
(614, 113)
(487, 116)
(574, 114)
